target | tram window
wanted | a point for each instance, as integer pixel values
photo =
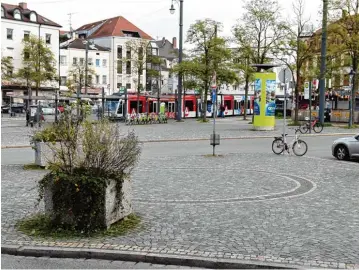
(237, 104)
(228, 104)
(189, 105)
(120, 108)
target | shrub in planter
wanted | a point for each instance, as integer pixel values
(88, 187)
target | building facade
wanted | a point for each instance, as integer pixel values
(115, 33)
(73, 55)
(19, 22)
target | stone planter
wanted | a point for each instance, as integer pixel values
(110, 213)
(42, 154)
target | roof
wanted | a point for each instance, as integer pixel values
(79, 44)
(25, 15)
(117, 26)
(166, 50)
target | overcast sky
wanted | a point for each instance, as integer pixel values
(152, 16)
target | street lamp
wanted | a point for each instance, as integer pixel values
(352, 97)
(180, 55)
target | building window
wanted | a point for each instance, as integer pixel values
(82, 60)
(119, 85)
(26, 35)
(63, 80)
(119, 67)
(17, 14)
(128, 53)
(128, 86)
(48, 38)
(63, 60)
(74, 61)
(9, 33)
(104, 79)
(97, 62)
(89, 61)
(33, 17)
(2, 12)
(128, 67)
(26, 55)
(140, 53)
(97, 79)
(89, 79)
(104, 63)
(119, 52)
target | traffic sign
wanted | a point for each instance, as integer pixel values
(214, 95)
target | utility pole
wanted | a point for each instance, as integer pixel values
(323, 62)
(86, 67)
(159, 90)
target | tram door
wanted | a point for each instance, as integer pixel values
(120, 108)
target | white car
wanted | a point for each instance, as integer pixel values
(46, 110)
(346, 148)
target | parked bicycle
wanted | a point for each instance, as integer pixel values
(144, 118)
(314, 124)
(298, 146)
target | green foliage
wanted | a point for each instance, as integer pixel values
(38, 63)
(42, 226)
(76, 77)
(211, 55)
(85, 158)
(6, 68)
(32, 166)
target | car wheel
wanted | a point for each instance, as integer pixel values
(341, 152)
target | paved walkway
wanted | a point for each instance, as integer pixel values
(190, 129)
(250, 206)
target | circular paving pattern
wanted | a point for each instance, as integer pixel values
(198, 185)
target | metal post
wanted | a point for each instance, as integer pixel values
(285, 112)
(56, 105)
(179, 114)
(86, 67)
(10, 112)
(323, 62)
(125, 104)
(351, 101)
(103, 103)
(38, 113)
(310, 105)
(214, 104)
(158, 91)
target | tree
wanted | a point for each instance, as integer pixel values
(6, 68)
(39, 64)
(295, 49)
(244, 57)
(136, 63)
(256, 34)
(209, 53)
(345, 33)
(76, 77)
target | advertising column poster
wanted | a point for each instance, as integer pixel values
(264, 103)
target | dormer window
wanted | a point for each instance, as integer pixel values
(17, 14)
(2, 12)
(33, 17)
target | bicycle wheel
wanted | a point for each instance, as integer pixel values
(318, 127)
(304, 128)
(300, 148)
(278, 146)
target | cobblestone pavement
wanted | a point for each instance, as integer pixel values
(12, 135)
(21, 262)
(250, 206)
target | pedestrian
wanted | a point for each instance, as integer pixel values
(222, 111)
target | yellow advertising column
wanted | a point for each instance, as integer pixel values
(264, 103)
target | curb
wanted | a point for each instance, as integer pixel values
(154, 258)
(207, 139)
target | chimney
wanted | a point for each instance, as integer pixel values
(23, 5)
(174, 43)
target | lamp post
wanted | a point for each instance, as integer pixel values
(180, 55)
(351, 98)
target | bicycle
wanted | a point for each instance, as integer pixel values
(279, 145)
(315, 125)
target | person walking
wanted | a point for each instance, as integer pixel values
(222, 110)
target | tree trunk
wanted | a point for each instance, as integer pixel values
(138, 92)
(296, 93)
(204, 106)
(354, 87)
(246, 97)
